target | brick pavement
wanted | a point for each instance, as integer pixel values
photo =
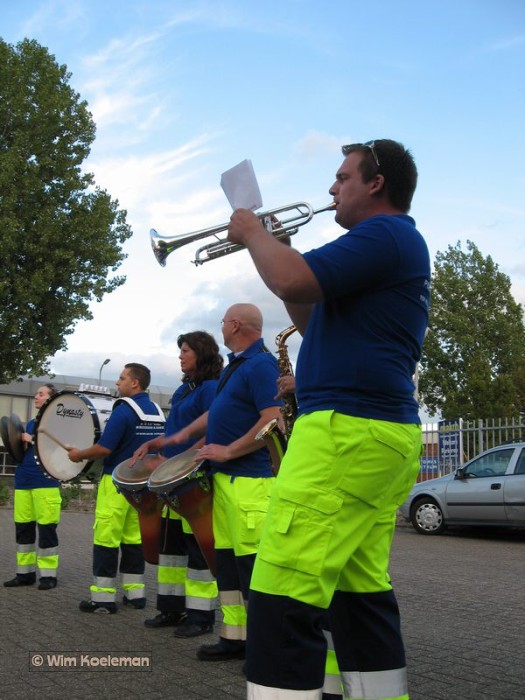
(461, 598)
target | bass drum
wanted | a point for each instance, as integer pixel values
(69, 419)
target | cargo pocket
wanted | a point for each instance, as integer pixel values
(378, 466)
(301, 529)
(49, 506)
(104, 533)
(252, 517)
(400, 439)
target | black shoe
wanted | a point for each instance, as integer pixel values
(192, 630)
(137, 603)
(19, 580)
(166, 619)
(46, 583)
(222, 651)
(101, 608)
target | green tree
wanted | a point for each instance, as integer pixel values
(473, 363)
(60, 235)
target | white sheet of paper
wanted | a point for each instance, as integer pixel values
(240, 186)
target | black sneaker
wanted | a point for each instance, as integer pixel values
(137, 603)
(192, 630)
(222, 651)
(20, 580)
(47, 583)
(166, 619)
(100, 608)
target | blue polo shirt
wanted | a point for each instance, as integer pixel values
(28, 475)
(187, 404)
(121, 435)
(362, 342)
(249, 389)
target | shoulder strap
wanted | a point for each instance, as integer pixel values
(190, 386)
(160, 418)
(234, 364)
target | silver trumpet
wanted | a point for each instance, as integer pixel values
(300, 214)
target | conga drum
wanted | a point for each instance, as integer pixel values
(184, 484)
(132, 483)
(69, 418)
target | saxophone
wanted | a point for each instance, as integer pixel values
(289, 409)
(272, 434)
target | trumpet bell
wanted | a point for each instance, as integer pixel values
(159, 247)
(163, 245)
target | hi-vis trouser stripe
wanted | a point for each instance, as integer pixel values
(262, 692)
(25, 558)
(133, 586)
(332, 678)
(171, 574)
(47, 561)
(201, 589)
(104, 589)
(234, 615)
(385, 685)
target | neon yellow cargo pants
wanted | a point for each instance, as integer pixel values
(327, 537)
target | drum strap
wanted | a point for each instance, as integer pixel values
(148, 417)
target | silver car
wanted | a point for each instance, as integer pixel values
(488, 490)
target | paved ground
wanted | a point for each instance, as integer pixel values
(461, 596)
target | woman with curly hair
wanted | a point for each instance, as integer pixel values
(187, 591)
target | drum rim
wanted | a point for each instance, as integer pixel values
(155, 485)
(138, 484)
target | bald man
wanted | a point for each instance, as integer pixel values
(242, 473)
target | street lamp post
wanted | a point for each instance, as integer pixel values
(101, 367)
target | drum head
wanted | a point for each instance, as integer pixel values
(175, 469)
(135, 477)
(69, 419)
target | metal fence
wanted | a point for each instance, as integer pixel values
(449, 444)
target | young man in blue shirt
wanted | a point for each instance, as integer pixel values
(134, 420)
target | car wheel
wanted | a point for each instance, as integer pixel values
(426, 517)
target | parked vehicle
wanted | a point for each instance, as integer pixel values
(488, 490)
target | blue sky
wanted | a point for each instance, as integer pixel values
(181, 92)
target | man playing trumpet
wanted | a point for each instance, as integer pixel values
(361, 303)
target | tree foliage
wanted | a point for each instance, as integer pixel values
(60, 234)
(473, 363)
